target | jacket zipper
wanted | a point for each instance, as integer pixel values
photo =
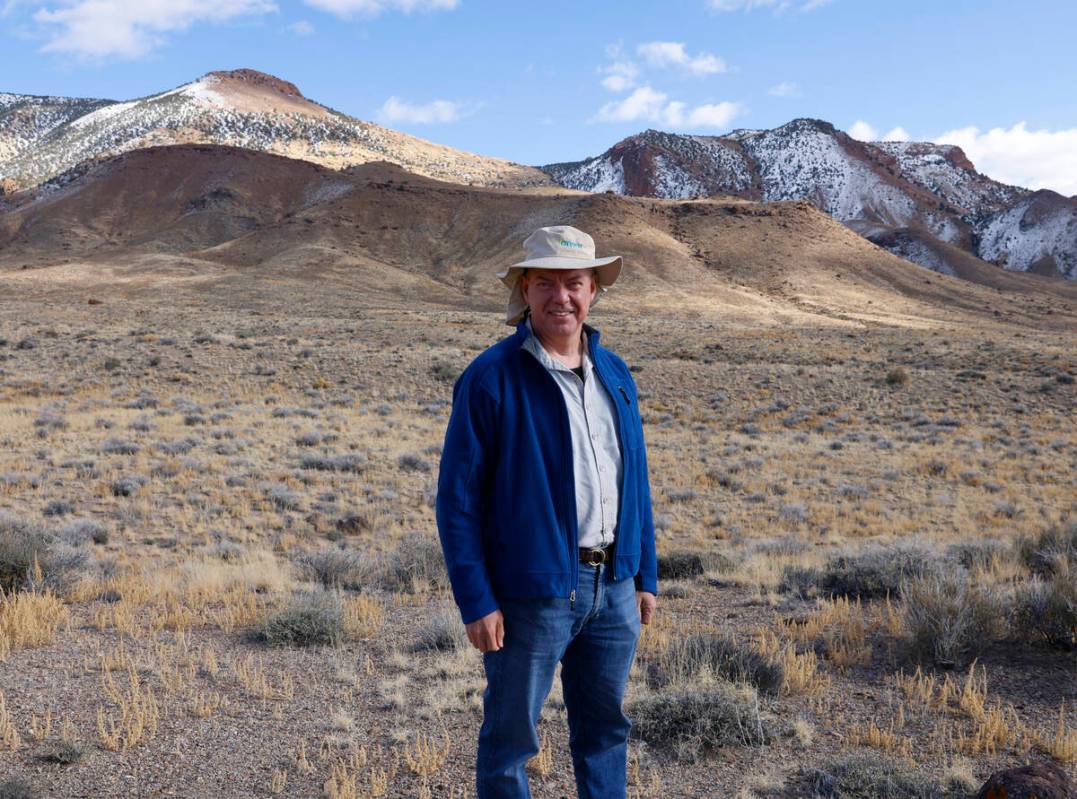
(573, 555)
(624, 459)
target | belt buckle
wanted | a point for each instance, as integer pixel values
(595, 557)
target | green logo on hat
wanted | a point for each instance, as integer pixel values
(567, 243)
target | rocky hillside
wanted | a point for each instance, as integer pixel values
(42, 137)
(921, 200)
(194, 218)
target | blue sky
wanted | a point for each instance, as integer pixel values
(558, 81)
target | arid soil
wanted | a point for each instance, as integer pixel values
(205, 437)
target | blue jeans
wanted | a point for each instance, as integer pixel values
(594, 638)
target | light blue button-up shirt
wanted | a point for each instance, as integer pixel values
(596, 449)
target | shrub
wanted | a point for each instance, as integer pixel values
(690, 721)
(32, 559)
(442, 632)
(867, 775)
(119, 446)
(352, 523)
(416, 561)
(127, 485)
(64, 752)
(875, 571)
(979, 555)
(445, 372)
(181, 447)
(21, 543)
(897, 377)
(949, 618)
(1046, 610)
(309, 619)
(1050, 550)
(680, 565)
(802, 581)
(47, 420)
(413, 463)
(722, 657)
(282, 497)
(333, 567)
(349, 462)
(17, 789)
(58, 507)
(79, 531)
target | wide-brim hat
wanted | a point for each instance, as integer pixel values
(557, 247)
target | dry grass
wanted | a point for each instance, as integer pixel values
(835, 464)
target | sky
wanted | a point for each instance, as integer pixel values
(543, 82)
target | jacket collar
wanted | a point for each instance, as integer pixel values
(523, 331)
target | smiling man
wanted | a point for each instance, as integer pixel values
(544, 512)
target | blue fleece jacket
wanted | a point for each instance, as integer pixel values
(506, 505)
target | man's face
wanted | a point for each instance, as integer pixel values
(559, 300)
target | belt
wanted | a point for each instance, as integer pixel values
(596, 556)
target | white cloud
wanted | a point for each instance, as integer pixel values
(617, 83)
(301, 28)
(1035, 159)
(896, 134)
(371, 8)
(649, 105)
(673, 54)
(132, 28)
(862, 131)
(716, 115)
(643, 103)
(395, 110)
(784, 89)
(621, 74)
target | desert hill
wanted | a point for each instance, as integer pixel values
(228, 214)
(42, 137)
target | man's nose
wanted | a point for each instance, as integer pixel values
(561, 292)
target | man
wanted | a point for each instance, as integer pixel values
(544, 513)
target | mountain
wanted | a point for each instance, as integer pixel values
(185, 219)
(925, 202)
(42, 137)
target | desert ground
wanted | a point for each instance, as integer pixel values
(222, 576)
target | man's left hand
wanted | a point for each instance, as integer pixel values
(646, 604)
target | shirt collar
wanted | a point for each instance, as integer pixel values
(534, 346)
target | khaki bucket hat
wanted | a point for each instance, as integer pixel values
(557, 247)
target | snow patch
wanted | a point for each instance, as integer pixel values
(1017, 239)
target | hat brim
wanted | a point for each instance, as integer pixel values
(609, 269)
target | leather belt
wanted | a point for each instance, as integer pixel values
(596, 556)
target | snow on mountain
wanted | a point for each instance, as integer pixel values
(944, 170)
(662, 165)
(242, 108)
(877, 188)
(1037, 234)
(26, 119)
(805, 158)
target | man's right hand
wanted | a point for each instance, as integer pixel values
(488, 633)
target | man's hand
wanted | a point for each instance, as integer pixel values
(646, 604)
(488, 633)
